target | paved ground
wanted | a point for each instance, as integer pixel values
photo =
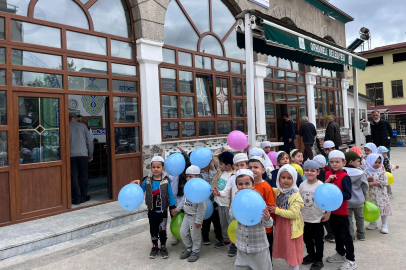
(128, 246)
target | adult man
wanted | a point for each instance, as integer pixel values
(81, 152)
(381, 130)
(85, 121)
(288, 137)
(333, 132)
(308, 132)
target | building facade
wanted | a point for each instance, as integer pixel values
(150, 76)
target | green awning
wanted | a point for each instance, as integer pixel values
(281, 42)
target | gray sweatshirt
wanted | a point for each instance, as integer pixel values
(81, 145)
(360, 187)
(193, 209)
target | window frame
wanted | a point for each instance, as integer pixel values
(396, 91)
(375, 87)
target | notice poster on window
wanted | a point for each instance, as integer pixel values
(262, 3)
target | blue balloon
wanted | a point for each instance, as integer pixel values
(197, 190)
(328, 197)
(201, 157)
(209, 209)
(131, 197)
(175, 164)
(247, 207)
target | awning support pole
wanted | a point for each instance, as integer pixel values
(356, 108)
(249, 60)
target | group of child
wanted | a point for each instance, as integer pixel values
(291, 218)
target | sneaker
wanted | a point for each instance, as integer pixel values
(336, 258)
(164, 253)
(330, 238)
(222, 244)
(361, 238)
(348, 265)
(308, 260)
(233, 251)
(384, 229)
(185, 254)
(372, 226)
(174, 241)
(390, 196)
(206, 240)
(317, 266)
(193, 257)
(154, 252)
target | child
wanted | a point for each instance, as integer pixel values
(313, 217)
(369, 148)
(282, 159)
(240, 162)
(268, 163)
(288, 240)
(357, 150)
(339, 222)
(328, 146)
(223, 160)
(266, 146)
(257, 166)
(377, 190)
(322, 163)
(387, 166)
(158, 197)
(191, 228)
(296, 156)
(359, 192)
(207, 173)
(251, 241)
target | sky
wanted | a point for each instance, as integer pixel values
(385, 19)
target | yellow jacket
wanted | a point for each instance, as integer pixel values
(293, 212)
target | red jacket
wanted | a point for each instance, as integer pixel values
(343, 182)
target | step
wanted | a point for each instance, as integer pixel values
(33, 235)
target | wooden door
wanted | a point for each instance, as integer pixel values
(41, 178)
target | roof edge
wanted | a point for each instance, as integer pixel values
(336, 9)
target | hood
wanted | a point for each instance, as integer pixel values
(354, 173)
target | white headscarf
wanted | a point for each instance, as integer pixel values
(265, 144)
(261, 153)
(372, 147)
(371, 159)
(292, 171)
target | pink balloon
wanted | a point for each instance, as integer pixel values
(237, 140)
(272, 157)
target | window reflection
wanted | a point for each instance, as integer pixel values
(207, 128)
(3, 108)
(61, 11)
(34, 59)
(127, 140)
(18, 7)
(269, 111)
(203, 91)
(171, 130)
(3, 149)
(222, 97)
(124, 86)
(169, 106)
(239, 125)
(221, 65)
(2, 28)
(235, 68)
(202, 62)
(211, 45)
(111, 17)
(168, 56)
(168, 80)
(283, 63)
(122, 49)
(35, 34)
(86, 43)
(222, 18)
(35, 79)
(89, 66)
(2, 76)
(186, 82)
(232, 50)
(238, 108)
(124, 70)
(125, 109)
(188, 129)
(270, 130)
(87, 84)
(198, 11)
(223, 127)
(38, 129)
(187, 107)
(185, 59)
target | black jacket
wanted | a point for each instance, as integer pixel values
(333, 133)
(182, 176)
(308, 132)
(289, 131)
(381, 133)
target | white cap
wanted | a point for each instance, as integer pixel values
(277, 154)
(336, 154)
(320, 160)
(157, 158)
(245, 172)
(293, 151)
(328, 144)
(255, 152)
(240, 157)
(265, 144)
(193, 169)
(260, 159)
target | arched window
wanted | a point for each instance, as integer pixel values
(187, 26)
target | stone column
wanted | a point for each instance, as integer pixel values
(344, 86)
(149, 56)
(260, 74)
(310, 82)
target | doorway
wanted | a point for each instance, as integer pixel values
(292, 111)
(93, 111)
